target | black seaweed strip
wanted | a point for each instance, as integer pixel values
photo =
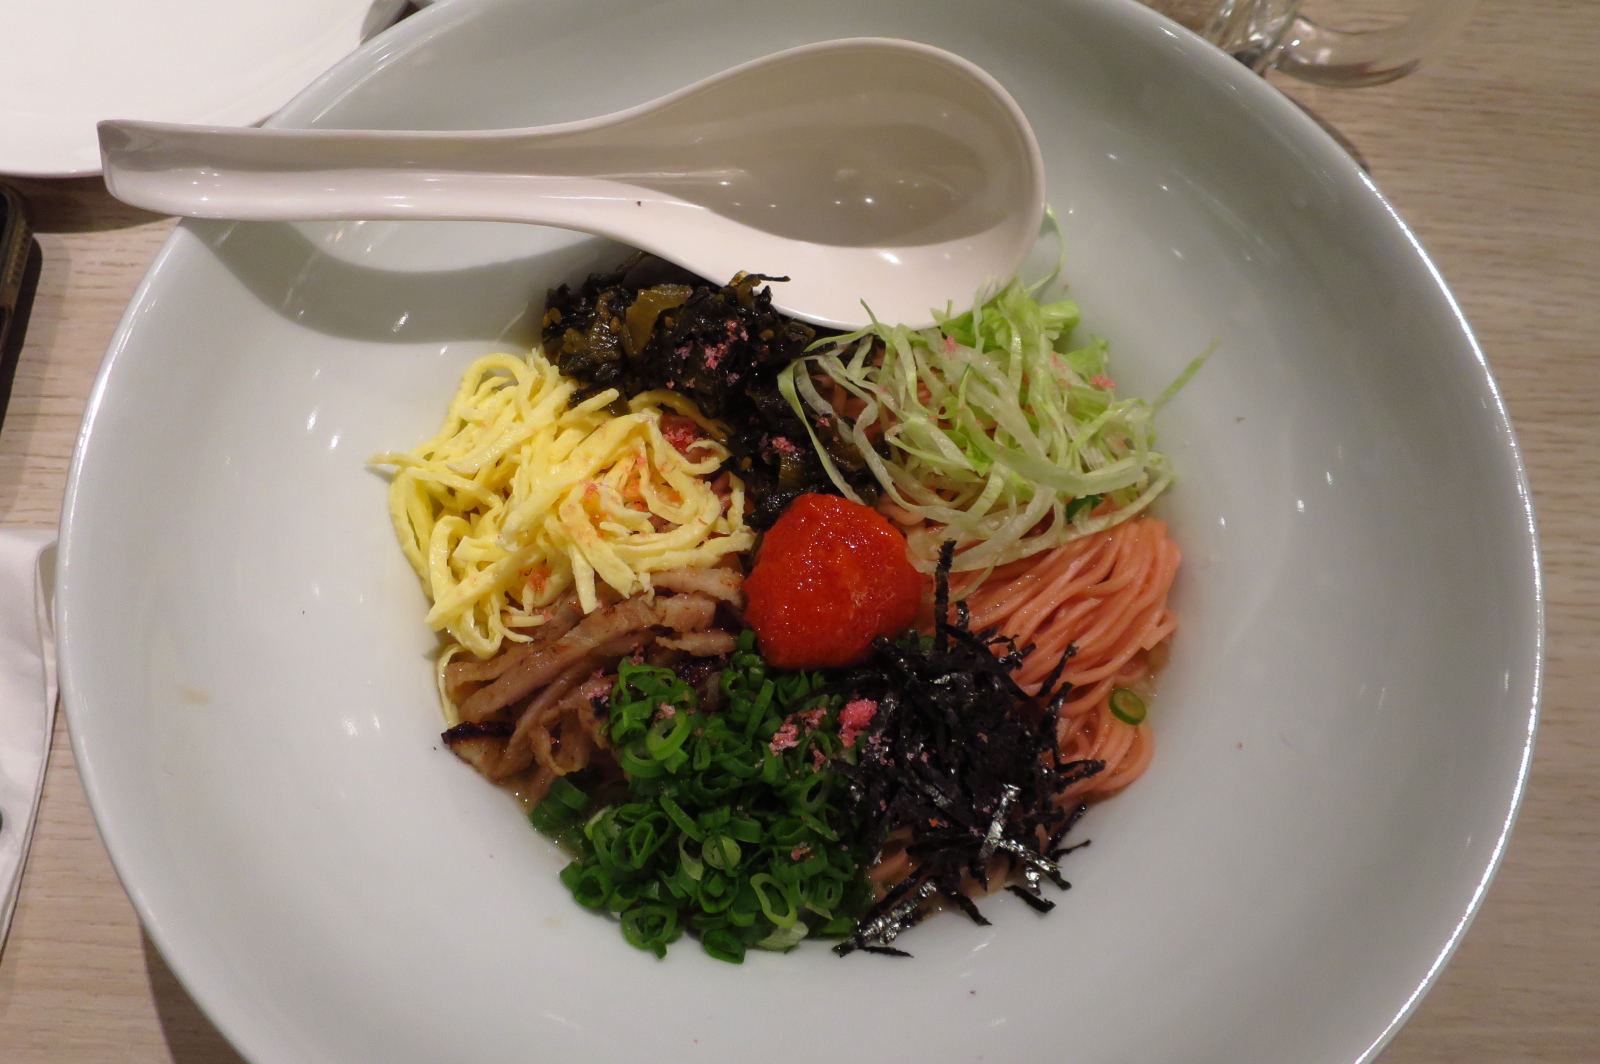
(941, 593)
(1039, 904)
(951, 738)
(1078, 771)
(966, 905)
(1048, 691)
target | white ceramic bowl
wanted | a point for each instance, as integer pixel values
(1342, 732)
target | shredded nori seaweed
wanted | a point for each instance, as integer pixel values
(965, 761)
(649, 324)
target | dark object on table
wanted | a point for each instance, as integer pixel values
(20, 261)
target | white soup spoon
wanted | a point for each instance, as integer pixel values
(872, 172)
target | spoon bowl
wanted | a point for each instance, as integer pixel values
(874, 173)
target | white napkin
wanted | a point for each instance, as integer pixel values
(27, 697)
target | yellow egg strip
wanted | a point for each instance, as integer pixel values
(520, 497)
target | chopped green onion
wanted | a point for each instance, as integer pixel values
(744, 830)
(1127, 706)
(784, 938)
(564, 792)
(723, 945)
(1082, 504)
(589, 885)
(650, 927)
(712, 831)
(549, 817)
(684, 821)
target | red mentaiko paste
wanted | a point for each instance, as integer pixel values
(831, 576)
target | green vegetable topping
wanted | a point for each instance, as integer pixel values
(1127, 706)
(727, 825)
(1083, 504)
(991, 425)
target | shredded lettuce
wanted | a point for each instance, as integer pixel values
(989, 425)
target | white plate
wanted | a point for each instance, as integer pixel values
(67, 64)
(1342, 733)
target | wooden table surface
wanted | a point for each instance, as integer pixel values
(1492, 154)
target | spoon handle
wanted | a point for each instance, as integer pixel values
(333, 174)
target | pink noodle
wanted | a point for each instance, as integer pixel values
(1106, 594)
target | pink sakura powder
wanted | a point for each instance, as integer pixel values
(855, 718)
(714, 355)
(787, 737)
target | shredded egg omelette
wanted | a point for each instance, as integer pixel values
(521, 497)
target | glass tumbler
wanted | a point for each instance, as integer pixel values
(1266, 34)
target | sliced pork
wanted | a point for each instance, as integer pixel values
(532, 667)
(479, 745)
(725, 585)
(464, 677)
(542, 711)
(702, 644)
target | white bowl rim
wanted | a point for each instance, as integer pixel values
(189, 960)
